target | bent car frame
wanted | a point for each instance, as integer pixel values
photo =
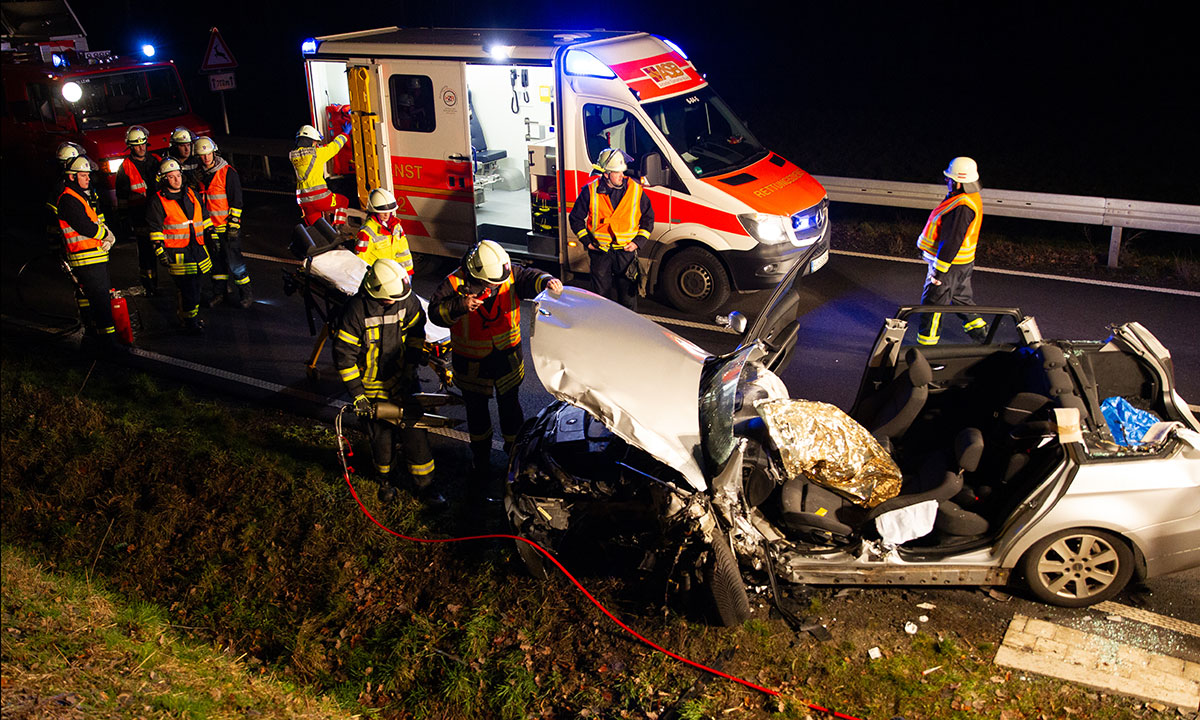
(661, 456)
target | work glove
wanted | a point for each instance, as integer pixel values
(162, 255)
(110, 239)
(363, 407)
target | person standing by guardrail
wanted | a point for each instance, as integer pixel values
(308, 160)
(221, 191)
(948, 244)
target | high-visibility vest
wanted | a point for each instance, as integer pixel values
(614, 227)
(929, 243)
(216, 201)
(376, 241)
(82, 249)
(178, 227)
(309, 164)
(478, 333)
(137, 184)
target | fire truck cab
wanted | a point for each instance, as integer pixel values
(56, 90)
(491, 134)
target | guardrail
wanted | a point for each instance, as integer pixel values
(1117, 214)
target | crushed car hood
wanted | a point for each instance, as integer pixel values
(639, 379)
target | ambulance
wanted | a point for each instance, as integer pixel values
(57, 90)
(491, 134)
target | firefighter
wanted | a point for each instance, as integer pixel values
(63, 155)
(221, 192)
(378, 345)
(382, 234)
(948, 245)
(611, 216)
(308, 160)
(134, 178)
(181, 151)
(178, 221)
(87, 241)
(481, 304)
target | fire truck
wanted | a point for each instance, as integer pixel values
(491, 134)
(56, 90)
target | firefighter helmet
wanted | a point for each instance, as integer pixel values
(182, 136)
(386, 279)
(962, 170)
(308, 131)
(381, 201)
(68, 151)
(137, 135)
(168, 166)
(81, 164)
(204, 146)
(612, 160)
(487, 261)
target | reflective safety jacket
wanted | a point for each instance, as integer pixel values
(377, 347)
(496, 325)
(384, 240)
(132, 178)
(176, 218)
(221, 191)
(612, 227)
(952, 231)
(82, 228)
(309, 164)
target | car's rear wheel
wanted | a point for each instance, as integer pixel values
(725, 584)
(695, 282)
(1077, 567)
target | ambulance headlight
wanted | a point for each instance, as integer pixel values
(71, 92)
(767, 229)
(114, 164)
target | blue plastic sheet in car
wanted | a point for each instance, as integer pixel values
(1127, 423)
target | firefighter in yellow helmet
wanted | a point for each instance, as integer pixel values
(87, 241)
(221, 192)
(382, 235)
(178, 221)
(947, 244)
(135, 181)
(308, 161)
(481, 304)
(611, 217)
(378, 345)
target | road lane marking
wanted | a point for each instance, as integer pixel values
(1040, 276)
(1145, 616)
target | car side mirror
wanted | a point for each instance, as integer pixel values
(735, 321)
(654, 170)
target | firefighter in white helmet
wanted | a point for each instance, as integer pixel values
(63, 155)
(378, 344)
(382, 235)
(481, 304)
(181, 140)
(178, 221)
(221, 192)
(135, 180)
(947, 243)
(612, 216)
(87, 240)
(312, 193)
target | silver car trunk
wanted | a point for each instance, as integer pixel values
(638, 378)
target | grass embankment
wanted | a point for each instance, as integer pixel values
(231, 528)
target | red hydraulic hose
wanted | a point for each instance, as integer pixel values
(343, 453)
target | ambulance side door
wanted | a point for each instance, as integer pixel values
(429, 153)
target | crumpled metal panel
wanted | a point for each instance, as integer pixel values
(638, 378)
(820, 442)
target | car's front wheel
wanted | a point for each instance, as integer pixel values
(724, 582)
(1077, 567)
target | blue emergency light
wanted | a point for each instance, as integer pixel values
(582, 62)
(309, 46)
(674, 47)
(148, 50)
(58, 60)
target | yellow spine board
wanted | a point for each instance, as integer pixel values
(362, 123)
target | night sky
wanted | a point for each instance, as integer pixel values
(1054, 97)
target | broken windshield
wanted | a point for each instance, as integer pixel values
(126, 98)
(709, 137)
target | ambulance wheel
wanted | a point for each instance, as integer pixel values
(724, 582)
(695, 282)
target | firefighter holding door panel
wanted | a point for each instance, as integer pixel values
(377, 347)
(481, 304)
(308, 160)
(948, 244)
(177, 221)
(610, 217)
(221, 190)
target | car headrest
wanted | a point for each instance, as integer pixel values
(918, 367)
(968, 448)
(1021, 406)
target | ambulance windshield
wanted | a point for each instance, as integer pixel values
(125, 98)
(705, 132)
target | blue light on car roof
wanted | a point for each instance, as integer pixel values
(148, 50)
(582, 62)
(674, 47)
(309, 46)
(58, 60)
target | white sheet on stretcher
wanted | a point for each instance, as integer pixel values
(344, 270)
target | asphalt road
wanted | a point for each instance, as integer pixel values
(842, 308)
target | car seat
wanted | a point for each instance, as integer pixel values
(891, 411)
(480, 154)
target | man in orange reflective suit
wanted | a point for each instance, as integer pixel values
(948, 244)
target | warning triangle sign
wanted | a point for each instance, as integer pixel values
(218, 56)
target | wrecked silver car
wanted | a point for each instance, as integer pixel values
(960, 463)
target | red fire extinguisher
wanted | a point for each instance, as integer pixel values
(120, 313)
